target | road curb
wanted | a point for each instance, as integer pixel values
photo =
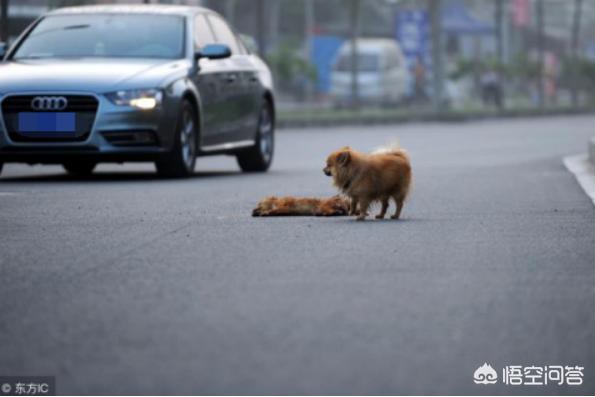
(584, 172)
(452, 117)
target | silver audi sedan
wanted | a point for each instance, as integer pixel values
(164, 84)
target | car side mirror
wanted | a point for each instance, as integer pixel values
(3, 50)
(213, 51)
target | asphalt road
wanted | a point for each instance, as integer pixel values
(126, 284)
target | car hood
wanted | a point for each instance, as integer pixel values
(86, 75)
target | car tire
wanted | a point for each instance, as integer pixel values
(259, 157)
(180, 162)
(1, 166)
(79, 168)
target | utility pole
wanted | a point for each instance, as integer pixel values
(354, 23)
(4, 21)
(309, 22)
(437, 53)
(230, 12)
(260, 28)
(576, 29)
(498, 21)
(274, 9)
(541, 55)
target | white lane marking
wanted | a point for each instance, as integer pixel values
(584, 172)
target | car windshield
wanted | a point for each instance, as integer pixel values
(365, 63)
(105, 36)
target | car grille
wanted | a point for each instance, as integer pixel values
(84, 107)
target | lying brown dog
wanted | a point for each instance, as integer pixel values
(367, 178)
(287, 206)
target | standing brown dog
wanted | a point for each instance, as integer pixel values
(366, 178)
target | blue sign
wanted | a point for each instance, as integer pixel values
(324, 50)
(412, 31)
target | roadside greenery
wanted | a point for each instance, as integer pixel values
(523, 71)
(293, 73)
(585, 70)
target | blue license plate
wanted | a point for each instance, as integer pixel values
(47, 122)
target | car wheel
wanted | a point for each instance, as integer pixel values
(79, 168)
(260, 156)
(181, 160)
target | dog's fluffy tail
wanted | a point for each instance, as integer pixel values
(396, 150)
(392, 148)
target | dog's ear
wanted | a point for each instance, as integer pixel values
(344, 157)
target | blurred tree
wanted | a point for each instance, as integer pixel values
(579, 71)
(293, 74)
(525, 68)
(586, 76)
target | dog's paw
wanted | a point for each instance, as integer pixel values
(260, 212)
(394, 217)
(379, 216)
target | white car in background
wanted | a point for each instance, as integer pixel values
(383, 75)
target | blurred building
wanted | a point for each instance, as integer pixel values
(308, 33)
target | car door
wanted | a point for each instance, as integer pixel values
(208, 79)
(251, 93)
(233, 82)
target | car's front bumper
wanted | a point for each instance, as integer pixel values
(118, 134)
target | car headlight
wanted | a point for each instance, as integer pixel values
(141, 99)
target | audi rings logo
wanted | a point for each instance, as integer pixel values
(49, 103)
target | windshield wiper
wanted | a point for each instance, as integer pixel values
(72, 27)
(31, 57)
